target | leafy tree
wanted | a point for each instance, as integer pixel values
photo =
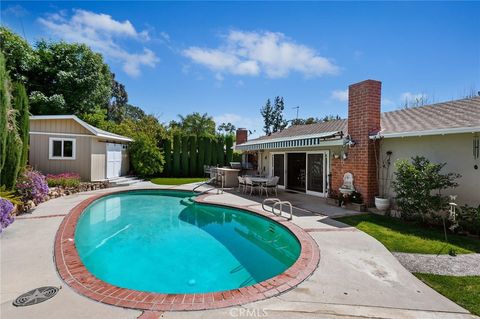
(20, 103)
(133, 112)
(207, 142)
(185, 163)
(19, 55)
(193, 155)
(197, 124)
(145, 156)
(201, 155)
(4, 107)
(228, 145)
(418, 187)
(227, 128)
(116, 109)
(167, 154)
(267, 113)
(278, 122)
(72, 72)
(177, 144)
(328, 118)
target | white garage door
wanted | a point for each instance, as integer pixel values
(114, 160)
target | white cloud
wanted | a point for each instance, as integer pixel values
(102, 33)
(16, 10)
(340, 95)
(254, 53)
(254, 124)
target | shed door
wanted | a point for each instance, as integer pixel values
(114, 160)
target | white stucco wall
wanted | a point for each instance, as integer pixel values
(454, 149)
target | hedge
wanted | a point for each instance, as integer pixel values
(229, 150)
(207, 142)
(185, 170)
(201, 155)
(193, 155)
(176, 155)
(214, 152)
(221, 151)
(167, 150)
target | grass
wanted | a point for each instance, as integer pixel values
(464, 291)
(176, 180)
(400, 236)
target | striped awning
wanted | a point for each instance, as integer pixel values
(314, 140)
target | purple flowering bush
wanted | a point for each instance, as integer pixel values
(6, 208)
(63, 180)
(32, 185)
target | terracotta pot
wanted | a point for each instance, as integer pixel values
(382, 204)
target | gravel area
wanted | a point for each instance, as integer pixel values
(460, 265)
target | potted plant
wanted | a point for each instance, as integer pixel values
(333, 198)
(382, 202)
(355, 202)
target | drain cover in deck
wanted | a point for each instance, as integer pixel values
(35, 296)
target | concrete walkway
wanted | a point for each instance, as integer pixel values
(356, 277)
(460, 265)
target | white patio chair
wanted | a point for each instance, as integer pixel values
(272, 183)
(241, 184)
(251, 184)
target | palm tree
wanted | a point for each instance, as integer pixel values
(197, 124)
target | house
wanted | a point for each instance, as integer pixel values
(65, 143)
(314, 158)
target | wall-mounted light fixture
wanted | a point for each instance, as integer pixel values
(348, 141)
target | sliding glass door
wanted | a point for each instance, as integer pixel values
(279, 167)
(317, 170)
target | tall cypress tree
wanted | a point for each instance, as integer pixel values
(177, 144)
(185, 170)
(229, 150)
(214, 151)
(221, 151)
(201, 155)
(167, 150)
(193, 155)
(4, 106)
(23, 123)
(12, 162)
(207, 142)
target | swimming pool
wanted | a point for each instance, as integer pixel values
(158, 241)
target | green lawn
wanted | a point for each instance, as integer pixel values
(400, 236)
(176, 180)
(464, 291)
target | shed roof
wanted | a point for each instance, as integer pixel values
(92, 129)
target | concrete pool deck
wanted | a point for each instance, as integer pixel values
(356, 276)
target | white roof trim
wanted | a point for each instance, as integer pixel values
(445, 131)
(92, 129)
(291, 138)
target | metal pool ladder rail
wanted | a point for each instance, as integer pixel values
(277, 202)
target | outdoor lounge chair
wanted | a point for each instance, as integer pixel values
(272, 183)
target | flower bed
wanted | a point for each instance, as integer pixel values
(63, 180)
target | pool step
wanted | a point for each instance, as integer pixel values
(124, 181)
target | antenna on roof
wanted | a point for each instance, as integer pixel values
(296, 107)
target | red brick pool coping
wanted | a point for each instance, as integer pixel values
(75, 274)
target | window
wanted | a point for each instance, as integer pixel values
(62, 148)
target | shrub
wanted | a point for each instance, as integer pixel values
(221, 151)
(32, 186)
(418, 186)
(468, 219)
(214, 152)
(237, 156)
(23, 124)
(11, 166)
(145, 156)
(63, 180)
(10, 195)
(6, 218)
(208, 151)
(4, 107)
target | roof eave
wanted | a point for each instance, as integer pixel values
(446, 131)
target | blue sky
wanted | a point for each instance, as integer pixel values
(227, 58)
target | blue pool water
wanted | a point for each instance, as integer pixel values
(155, 241)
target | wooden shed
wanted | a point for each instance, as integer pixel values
(65, 143)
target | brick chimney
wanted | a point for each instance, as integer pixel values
(363, 120)
(241, 135)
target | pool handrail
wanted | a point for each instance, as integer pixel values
(277, 202)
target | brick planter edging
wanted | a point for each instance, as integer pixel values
(75, 274)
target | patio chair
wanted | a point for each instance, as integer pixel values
(241, 184)
(206, 170)
(251, 184)
(272, 183)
